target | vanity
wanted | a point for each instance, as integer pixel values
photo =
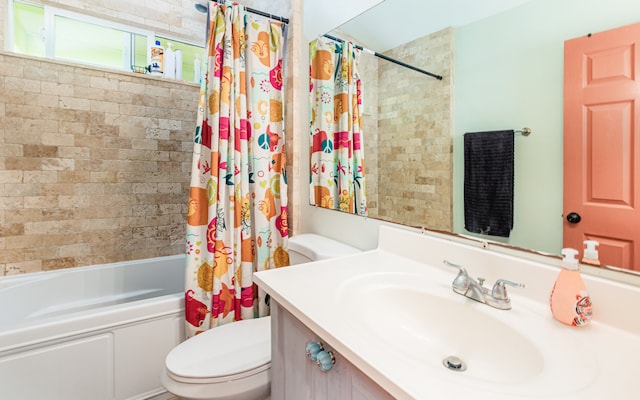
(294, 376)
(396, 329)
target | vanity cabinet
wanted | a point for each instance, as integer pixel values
(295, 377)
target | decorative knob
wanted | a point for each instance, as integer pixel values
(312, 350)
(326, 359)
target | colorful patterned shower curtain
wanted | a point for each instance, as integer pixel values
(237, 216)
(337, 159)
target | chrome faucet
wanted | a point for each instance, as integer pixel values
(497, 297)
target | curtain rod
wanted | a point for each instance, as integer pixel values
(261, 13)
(439, 77)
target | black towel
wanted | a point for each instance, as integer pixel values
(488, 182)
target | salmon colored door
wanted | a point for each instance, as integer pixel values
(602, 144)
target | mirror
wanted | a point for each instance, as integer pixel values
(502, 70)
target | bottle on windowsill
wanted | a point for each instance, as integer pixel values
(157, 59)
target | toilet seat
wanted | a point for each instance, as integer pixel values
(229, 352)
(218, 379)
(317, 247)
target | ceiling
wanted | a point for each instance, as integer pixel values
(395, 22)
(321, 16)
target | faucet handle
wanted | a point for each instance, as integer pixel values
(499, 291)
(462, 282)
(459, 267)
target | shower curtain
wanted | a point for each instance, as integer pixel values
(337, 159)
(237, 211)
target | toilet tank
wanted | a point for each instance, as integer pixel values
(307, 247)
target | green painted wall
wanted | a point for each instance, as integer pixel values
(508, 75)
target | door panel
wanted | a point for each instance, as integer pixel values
(601, 146)
(608, 153)
(618, 251)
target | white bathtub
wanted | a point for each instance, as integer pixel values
(90, 333)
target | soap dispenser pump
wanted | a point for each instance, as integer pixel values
(570, 302)
(590, 254)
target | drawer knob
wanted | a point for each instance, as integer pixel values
(326, 359)
(312, 350)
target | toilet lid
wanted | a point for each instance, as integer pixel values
(232, 349)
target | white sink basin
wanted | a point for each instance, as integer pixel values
(419, 319)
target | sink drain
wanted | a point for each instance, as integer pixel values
(454, 364)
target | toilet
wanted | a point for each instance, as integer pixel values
(241, 370)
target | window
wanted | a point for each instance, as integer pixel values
(28, 29)
(45, 31)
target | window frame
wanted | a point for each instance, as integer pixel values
(50, 14)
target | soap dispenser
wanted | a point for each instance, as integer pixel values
(570, 302)
(590, 254)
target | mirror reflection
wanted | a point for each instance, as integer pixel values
(500, 72)
(407, 148)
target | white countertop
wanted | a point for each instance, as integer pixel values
(315, 293)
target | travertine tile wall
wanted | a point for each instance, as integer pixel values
(414, 135)
(94, 165)
(296, 118)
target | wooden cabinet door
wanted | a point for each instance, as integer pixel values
(295, 377)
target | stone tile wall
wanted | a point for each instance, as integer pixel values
(94, 165)
(296, 73)
(414, 146)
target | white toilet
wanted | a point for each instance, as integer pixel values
(242, 369)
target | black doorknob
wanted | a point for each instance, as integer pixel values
(573, 218)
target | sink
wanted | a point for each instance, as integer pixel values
(432, 328)
(420, 318)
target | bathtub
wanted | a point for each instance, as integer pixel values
(90, 333)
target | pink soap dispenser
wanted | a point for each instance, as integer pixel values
(570, 302)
